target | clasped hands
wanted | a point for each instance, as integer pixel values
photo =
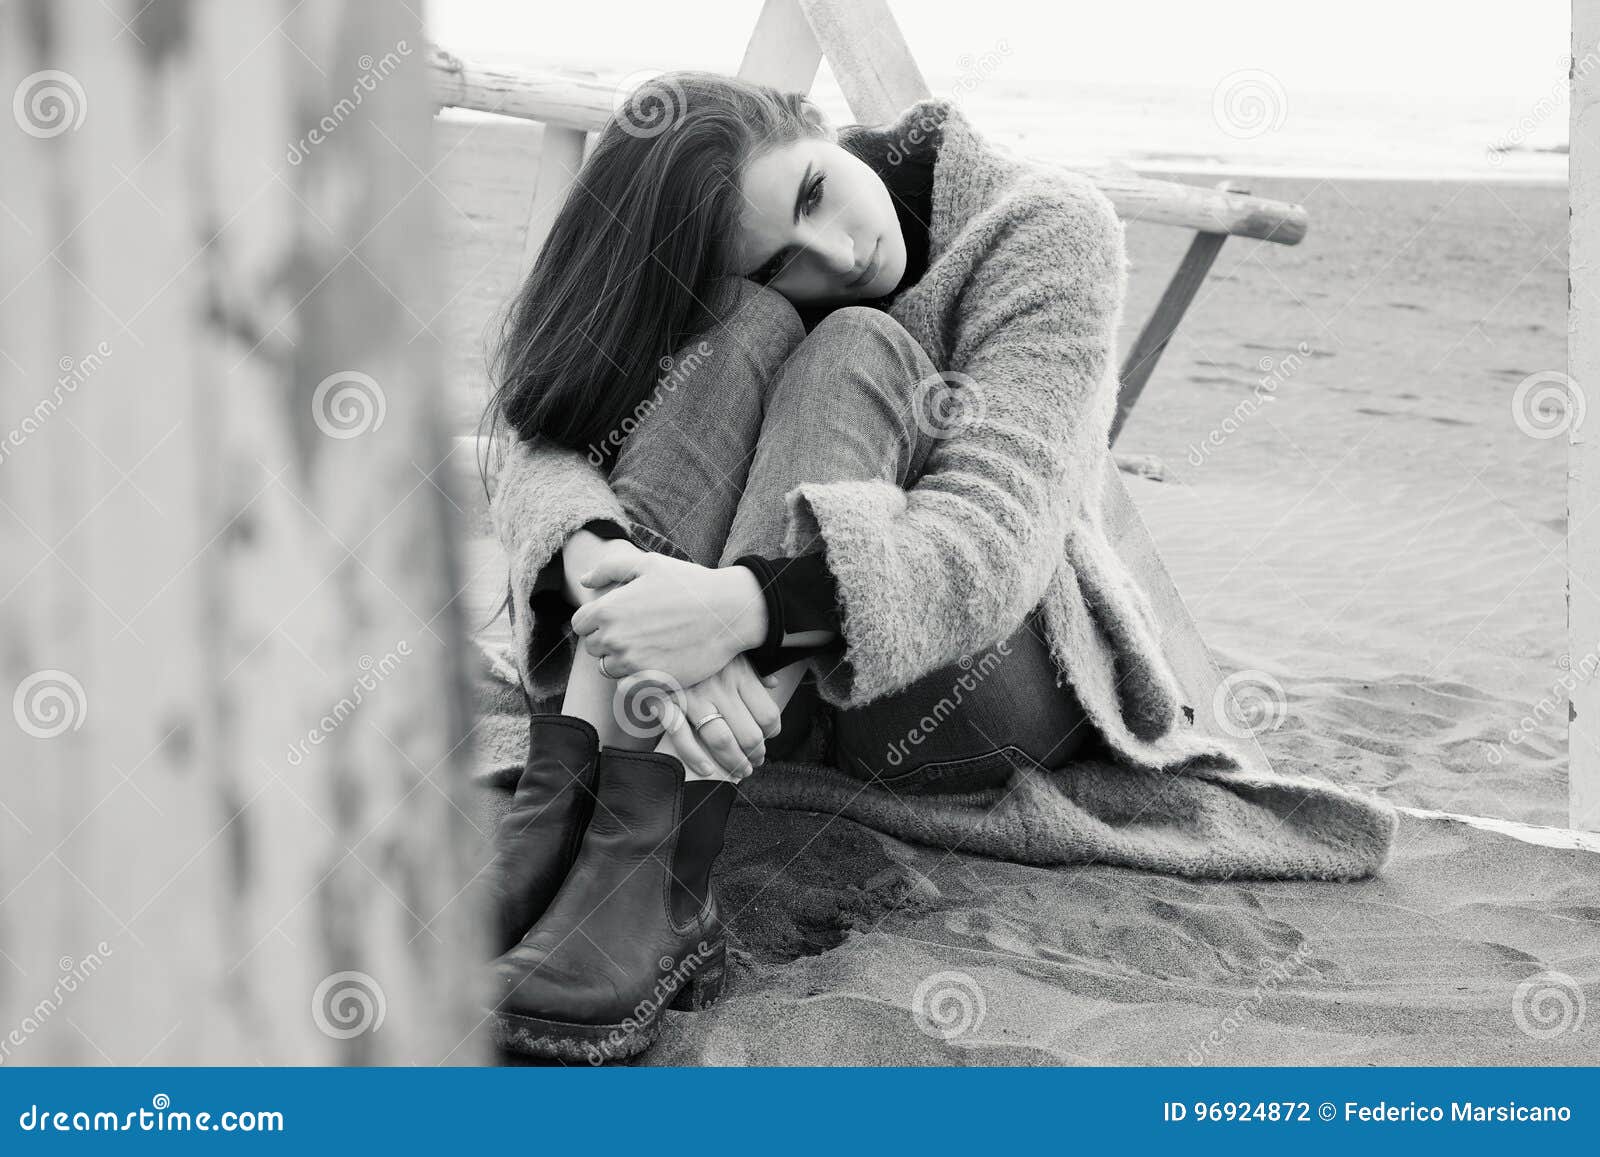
(651, 618)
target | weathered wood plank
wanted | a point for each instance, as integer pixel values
(1583, 454)
(868, 55)
(1163, 323)
(559, 162)
(782, 51)
(232, 645)
(586, 103)
(574, 102)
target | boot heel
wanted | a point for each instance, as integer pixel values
(704, 988)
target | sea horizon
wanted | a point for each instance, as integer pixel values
(1248, 124)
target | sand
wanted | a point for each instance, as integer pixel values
(1381, 540)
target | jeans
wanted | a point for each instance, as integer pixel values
(758, 406)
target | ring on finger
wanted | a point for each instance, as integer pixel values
(603, 670)
(711, 717)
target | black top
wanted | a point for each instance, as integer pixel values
(801, 594)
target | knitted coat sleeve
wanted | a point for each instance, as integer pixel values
(543, 493)
(952, 565)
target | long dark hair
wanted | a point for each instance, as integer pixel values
(629, 268)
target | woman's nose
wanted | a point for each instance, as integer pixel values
(837, 254)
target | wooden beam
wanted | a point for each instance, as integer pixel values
(1204, 209)
(575, 102)
(560, 158)
(235, 792)
(782, 51)
(868, 55)
(585, 103)
(1583, 453)
(1163, 323)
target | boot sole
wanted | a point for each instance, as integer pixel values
(599, 1043)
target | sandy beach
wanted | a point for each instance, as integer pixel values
(1382, 539)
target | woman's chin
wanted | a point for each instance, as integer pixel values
(881, 285)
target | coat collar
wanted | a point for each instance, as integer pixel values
(969, 174)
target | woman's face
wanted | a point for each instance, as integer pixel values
(818, 225)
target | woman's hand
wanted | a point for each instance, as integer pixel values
(583, 552)
(734, 744)
(669, 616)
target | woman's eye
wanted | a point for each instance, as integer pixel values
(814, 194)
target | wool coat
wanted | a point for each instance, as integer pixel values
(1020, 303)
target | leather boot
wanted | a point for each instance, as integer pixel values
(635, 929)
(537, 839)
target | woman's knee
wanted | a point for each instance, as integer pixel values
(760, 320)
(866, 328)
(859, 354)
(855, 381)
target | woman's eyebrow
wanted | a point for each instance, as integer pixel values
(800, 194)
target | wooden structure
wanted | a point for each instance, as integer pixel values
(228, 831)
(1583, 473)
(880, 78)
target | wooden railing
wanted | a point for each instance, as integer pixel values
(585, 104)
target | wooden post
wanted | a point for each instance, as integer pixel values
(1583, 470)
(234, 741)
(1157, 332)
(560, 158)
(782, 51)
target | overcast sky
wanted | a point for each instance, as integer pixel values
(1416, 49)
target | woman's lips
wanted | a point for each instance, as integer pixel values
(870, 271)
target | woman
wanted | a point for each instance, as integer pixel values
(791, 401)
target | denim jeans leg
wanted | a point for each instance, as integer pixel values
(849, 404)
(682, 467)
(843, 407)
